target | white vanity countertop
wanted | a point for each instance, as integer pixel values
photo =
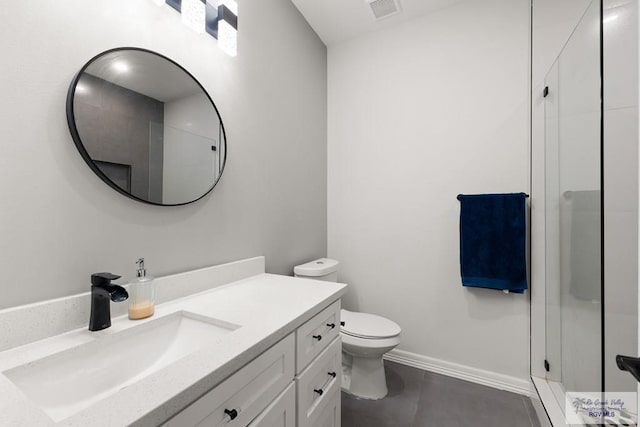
(268, 308)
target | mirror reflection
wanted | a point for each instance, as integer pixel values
(146, 127)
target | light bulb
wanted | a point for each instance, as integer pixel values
(193, 15)
(227, 38)
(120, 66)
(81, 88)
(610, 18)
(227, 27)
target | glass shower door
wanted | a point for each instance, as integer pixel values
(591, 216)
(573, 217)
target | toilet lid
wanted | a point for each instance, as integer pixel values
(364, 325)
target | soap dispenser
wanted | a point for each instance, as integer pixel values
(141, 294)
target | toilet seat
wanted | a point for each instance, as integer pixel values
(367, 326)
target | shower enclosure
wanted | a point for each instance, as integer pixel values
(590, 173)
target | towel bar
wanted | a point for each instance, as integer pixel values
(460, 195)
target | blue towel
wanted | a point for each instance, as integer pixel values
(493, 241)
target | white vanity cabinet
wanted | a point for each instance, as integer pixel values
(241, 397)
(319, 389)
(316, 334)
(281, 412)
(319, 369)
(294, 383)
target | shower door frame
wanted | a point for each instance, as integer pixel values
(544, 397)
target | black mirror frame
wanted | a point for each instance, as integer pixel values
(87, 158)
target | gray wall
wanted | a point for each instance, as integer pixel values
(114, 124)
(59, 222)
(417, 116)
(620, 189)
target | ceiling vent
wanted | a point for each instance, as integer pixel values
(384, 8)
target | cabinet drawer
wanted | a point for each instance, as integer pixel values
(245, 394)
(319, 384)
(281, 413)
(316, 334)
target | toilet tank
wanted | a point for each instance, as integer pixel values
(321, 269)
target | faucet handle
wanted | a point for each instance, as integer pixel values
(98, 279)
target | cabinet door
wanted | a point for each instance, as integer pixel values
(241, 397)
(319, 387)
(281, 412)
(330, 415)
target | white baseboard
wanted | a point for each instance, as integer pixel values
(467, 373)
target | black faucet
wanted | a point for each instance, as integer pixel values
(101, 292)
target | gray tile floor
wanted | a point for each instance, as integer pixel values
(418, 399)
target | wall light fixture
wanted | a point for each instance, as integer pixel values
(218, 18)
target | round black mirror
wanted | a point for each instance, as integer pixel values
(146, 127)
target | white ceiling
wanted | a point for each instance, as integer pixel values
(144, 73)
(339, 20)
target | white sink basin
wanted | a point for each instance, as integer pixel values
(67, 382)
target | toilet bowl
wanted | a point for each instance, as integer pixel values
(365, 339)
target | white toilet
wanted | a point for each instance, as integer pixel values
(365, 339)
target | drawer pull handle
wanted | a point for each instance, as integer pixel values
(318, 337)
(232, 413)
(331, 325)
(332, 374)
(341, 323)
(319, 391)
